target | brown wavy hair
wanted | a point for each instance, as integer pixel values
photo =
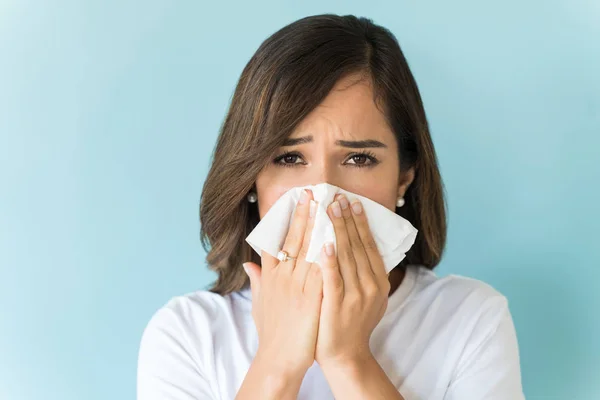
(290, 74)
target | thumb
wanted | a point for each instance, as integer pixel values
(253, 271)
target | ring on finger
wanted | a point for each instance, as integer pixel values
(282, 255)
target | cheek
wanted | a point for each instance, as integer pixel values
(379, 186)
(269, 195)
(389, 200)
(386, 196)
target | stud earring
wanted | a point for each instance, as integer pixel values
(252, 197)
(400, 202)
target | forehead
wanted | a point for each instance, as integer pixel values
(349, 110)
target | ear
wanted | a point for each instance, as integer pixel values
(405, 181)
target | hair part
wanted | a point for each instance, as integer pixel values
(290, 74)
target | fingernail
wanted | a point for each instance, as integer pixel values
(329, 248)
(245, 268)
(303, 197)
(335, 206)
(357, 207)
(343, 202)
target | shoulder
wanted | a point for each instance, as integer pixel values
(199, 312)
(181, 342)
(183, 338)
(455, 290)
(481, 342)
(468, 323)
(472, 312)
(195, 323)
(467, 302)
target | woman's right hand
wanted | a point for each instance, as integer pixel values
(286, 301)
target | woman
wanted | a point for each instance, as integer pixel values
(328, 99)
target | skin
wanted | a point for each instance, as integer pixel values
(305, 312)
(347, 113)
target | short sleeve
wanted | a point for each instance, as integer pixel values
(489, 368)
(166, 368)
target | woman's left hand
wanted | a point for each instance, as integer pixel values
(355, 288)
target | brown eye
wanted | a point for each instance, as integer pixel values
(290, 159)
(360, 159)
(287, 160)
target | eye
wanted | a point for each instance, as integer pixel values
(364, 159)
(359, 160)
(287, 159)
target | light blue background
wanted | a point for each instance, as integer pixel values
(109, 111)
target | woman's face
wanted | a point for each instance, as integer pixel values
(345, 142)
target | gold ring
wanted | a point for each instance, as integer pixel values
(282, 255)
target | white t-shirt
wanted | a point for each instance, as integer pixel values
(448, 338)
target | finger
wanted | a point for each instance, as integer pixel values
(363, 267)
(302, 268)
(345, 257)
(333, 283)
(369, 244)
(295, 236)
(268, 262)
(313, 285)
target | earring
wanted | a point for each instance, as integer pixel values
(252, 197)
(400, 202)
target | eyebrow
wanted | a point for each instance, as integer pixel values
(353, 144)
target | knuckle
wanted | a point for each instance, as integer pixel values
(337, 283)
(354, 300)
(347, 254)
(355, 241)
(362, 224)
(338, 288)
(301, 211)
(297, 225)
(370, 290)
(370, 244)
(292, 237)
(302, 253)
(315, 276)
(314, 271)
(338, 223)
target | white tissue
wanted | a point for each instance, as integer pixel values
(393, 234)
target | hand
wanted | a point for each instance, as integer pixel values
(355, 288)
(286, 299)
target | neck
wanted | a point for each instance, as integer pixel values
(396, 276)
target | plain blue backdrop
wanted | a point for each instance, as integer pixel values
(109, 111)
